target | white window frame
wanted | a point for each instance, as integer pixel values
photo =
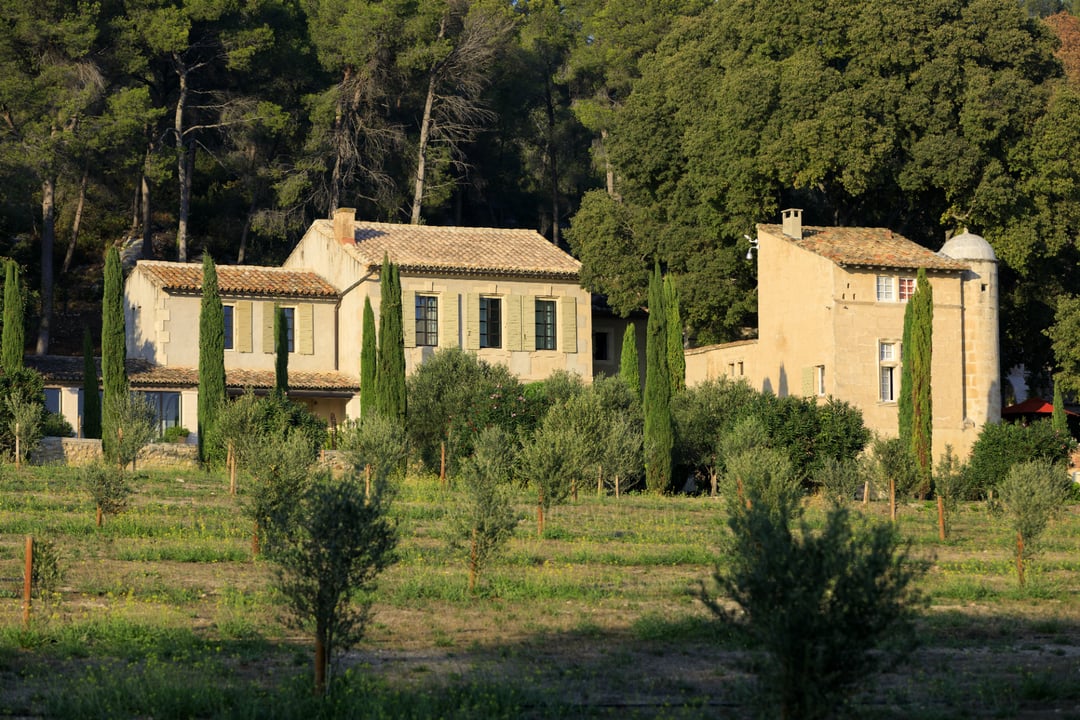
(819, 380)
(895, 288)
(888, 370)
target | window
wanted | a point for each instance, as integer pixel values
(888, 369)
(166, 409)
(601, 347)
(490, 322)
(290, 327)
(885, 288)
(52, 400)
(228, 317)
(427, 320)
(819, 380)
(545, 324)
(907, 288)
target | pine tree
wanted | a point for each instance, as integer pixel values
(921, 340)
(281, 352)
(628, 361)
(390, 377)
(368, 362)
(211, 358)
(676, 358)
(91, 418)
(13, 339)
(659, 430)
(114, 379)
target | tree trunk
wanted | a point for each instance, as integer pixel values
(941, 517)
(147, 224)
(100, 516)
(184, 154)
(320, 662)
(425, 128)
(244, 233)
(892, 499)
(553, 162)
(472, 564)
(540, 514)
(48, 239)
(609, 169)
(1020, 557)
(76, 223)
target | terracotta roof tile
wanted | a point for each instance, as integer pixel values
(458, 250)
(142, 374)
(867, 247)
(238, 279)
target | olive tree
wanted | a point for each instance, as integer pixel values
(1032, 494)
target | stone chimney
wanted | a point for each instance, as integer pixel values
(792, 223)
(344, 226)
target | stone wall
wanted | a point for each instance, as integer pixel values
(77, 451)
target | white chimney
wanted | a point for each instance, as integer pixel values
(344, 226)
(792, 223)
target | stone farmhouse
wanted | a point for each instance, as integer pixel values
(831, 315)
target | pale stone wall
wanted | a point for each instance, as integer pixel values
(76, 451)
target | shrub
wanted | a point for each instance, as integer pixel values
(24, 416)
(1029, 497)
(56, 425)
(48, 569)
(279, 466)
(25, 383)
(379, 443)
(135, 424)
(761, 478)
(892, 460)
(175, 434)
(839, 480)
(817, 602)
(278, 416)
(950, 484)
(1002, 445)
(107, 487)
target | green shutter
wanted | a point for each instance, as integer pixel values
(514, 322)
(243, 326)
(268, 327)
(448, 320)
(408, 318)
(808, 382)
(568, 309)
(305, 329)
(528, 324)
(472, 321)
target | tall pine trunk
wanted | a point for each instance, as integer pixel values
(425, 129)
(76, 223)
(184, 160)
(48, 240)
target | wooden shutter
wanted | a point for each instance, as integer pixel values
(568, 310)
(808, 382)
(528, 324)
(408, 318)
(472, 321)
(305, 329)
(514, 323)
(243, 326)
(268, 310)
(448, 320)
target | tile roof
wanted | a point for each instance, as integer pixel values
(867, 247)
(143, 374)
(238, 279)
(458, 250)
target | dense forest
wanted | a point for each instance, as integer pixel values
(629, 131)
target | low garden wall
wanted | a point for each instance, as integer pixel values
(79, 451)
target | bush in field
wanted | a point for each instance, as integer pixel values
(135, 425)
(25, 419)
(702, 415)
(950, 484)
(820, 603)
(558, 387)
(378, 443)
(48, 569)
(108, 488)
(452, 396)
(761, 478)
(328, 556)
(26, 384)
(893, 461)
(1002, 445)
(1030, 496)
(279, 466)
(276, 415)
(839, 480)
(486, 519)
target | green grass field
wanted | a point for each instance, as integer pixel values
(162, 613)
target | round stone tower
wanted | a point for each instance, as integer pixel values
(979, 339)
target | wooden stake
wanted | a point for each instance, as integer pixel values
(600, 481)
(941, 517)
(367, 482)
(866, 493)
(27, 579)
(100, 516)
(892, 499)
(230, 461)
(616, 486)
(18, 454)
(1020, 558)
(472, 563)
(442, 464)
(540, 514)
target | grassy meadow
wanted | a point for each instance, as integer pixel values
(162, 613)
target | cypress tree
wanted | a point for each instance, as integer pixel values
(12, 340)
(390, 377)
(211, 358)
(1057, 418)
(628, 361)
(676, 358)
(921, 340)
(91, 417)
(368, 362)
(659, 430)
(114, 381)
(281, 352)
(904, 398)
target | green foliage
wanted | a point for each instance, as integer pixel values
(91, 419)
(175, 434)
(1064, 335)
(820, 603)
(486, 518)
(702, 415)
(840, 480)
(950, 484)
(211, 362)
(1031, 495)
(659, 428)
(136, 426)
(453, 396)
(276, 416)
(1058, 421)
(113, 356)
(368, 362)
(56, 425)
(390, 394)
(25, 417)
(335, 543)
(377, 442)
(281, 352)
(107, 485)
(552, 460)
(48, 569)
(280, 467)
(629, 369)
(762, 479)
(918, 353)
(557, 387)
(238, 423)
(892, 460)
(1002, 445)
(676, 358)
(12, 339)
(28, 386)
